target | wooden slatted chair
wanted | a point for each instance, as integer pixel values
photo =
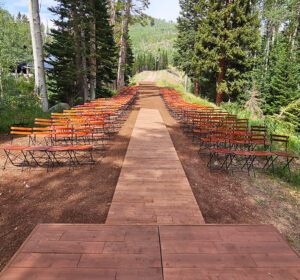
(284, 140)
(15, 155)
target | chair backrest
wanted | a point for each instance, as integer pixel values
(20, 131)
(256, 129)
(243, 122)
(42, 131)
(63, 130)
(238, 138)
(283, 139)
(261, 137)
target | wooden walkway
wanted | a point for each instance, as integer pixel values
(152, 187)
(102, 252)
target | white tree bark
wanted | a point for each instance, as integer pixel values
(123, 43)
(38, 56)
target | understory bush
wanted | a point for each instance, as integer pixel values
(17, 99)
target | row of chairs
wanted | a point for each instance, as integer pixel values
(227, 139)
(69, 138)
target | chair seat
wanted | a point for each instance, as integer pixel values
(242, 142)
(82, 147)
(60, 148)
(263, 153)
(221, 151)
(283, 154)
(205, 139)
(37, 148)
(98, 135)
(243, 153)
(14, 148)
(201, 131)
(212, 140)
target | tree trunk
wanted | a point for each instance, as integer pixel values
(93, 61)
(112, 11)
(267, 51)
(221, 75)
(78, 57)
(220, 79)
(84, 68)
(196, 86)
(123, 43)
(38, 56)
(1, 87)
(294, 36)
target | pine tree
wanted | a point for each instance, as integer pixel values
(128, 73)
(106, 49)
(291, 114)
(187, 25)
(285, 79)
(226, 42)
(70, 52)
(61, 51)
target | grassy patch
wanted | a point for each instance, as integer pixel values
(292, 178)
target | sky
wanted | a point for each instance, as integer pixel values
(163, 9)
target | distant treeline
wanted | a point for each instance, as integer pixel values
(150, 62)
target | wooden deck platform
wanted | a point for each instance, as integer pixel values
(105, 252)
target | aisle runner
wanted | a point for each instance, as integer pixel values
(153, 188)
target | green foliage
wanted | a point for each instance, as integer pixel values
(227, 33)
(16, 92)
(15, 41)
(105, 92)
(153, 39)
(18, 100)
(291, 114)
(277, 69)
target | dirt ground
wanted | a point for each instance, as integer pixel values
(83, 195)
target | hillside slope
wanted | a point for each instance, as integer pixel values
(153, 38)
